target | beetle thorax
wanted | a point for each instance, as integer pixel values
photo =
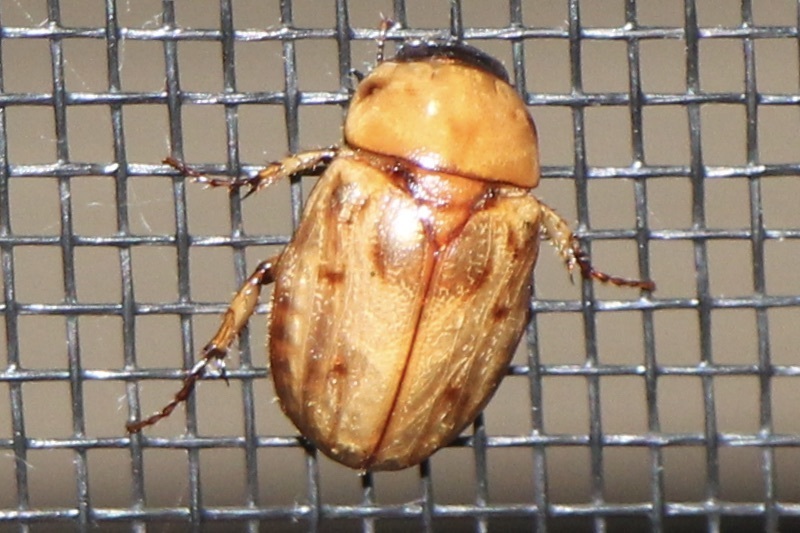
(445, 115)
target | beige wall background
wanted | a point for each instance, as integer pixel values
(34, 212)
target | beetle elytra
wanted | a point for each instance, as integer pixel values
(405, 290)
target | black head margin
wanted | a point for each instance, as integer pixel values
(456, 50)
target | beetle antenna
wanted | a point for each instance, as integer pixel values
(386, 25)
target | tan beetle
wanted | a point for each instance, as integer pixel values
(402, 297)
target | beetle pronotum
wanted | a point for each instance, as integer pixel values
(399, 302)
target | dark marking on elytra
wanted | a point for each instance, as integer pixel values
(477, 278)
(281, 305)
(513, 245)
(279, 332)
(339, 367)
(500, 312)
(334, 277)
(451, 394)
(378, 260)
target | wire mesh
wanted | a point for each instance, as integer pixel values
(574, 464)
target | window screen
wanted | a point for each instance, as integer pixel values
(669, 136)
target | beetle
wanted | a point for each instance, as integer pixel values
(401, 298)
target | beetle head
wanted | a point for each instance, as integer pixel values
(446, 106)
(455, 50)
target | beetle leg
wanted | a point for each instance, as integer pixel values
(557, 231)
(304, 162)
(239, 311)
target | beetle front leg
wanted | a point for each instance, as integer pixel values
(275, 171)
(557, 231)
(238, 313)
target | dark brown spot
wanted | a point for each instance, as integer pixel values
(513, 245)
(339, 367)
(500, 312)
(279, 332)
(451, 394)
(476, 276)
(378, 260)
(334, 277)
(479, 278)
(453, 397)
(281, 305)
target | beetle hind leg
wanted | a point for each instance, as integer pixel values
(557, 231)
(238, 313)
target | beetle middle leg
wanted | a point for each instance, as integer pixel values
(557, 231)
(238, 313)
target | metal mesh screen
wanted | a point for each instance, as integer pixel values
(669, 130)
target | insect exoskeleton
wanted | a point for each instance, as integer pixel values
(399, 302)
